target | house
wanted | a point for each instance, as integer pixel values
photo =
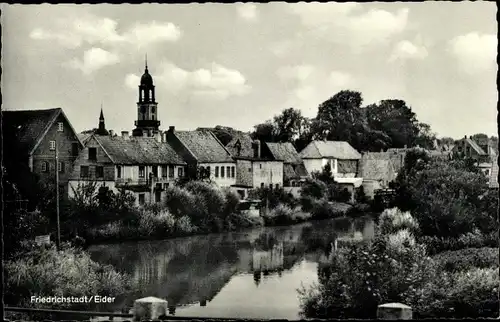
(256, 167)
(294, 170)
(342, 157)
(377, 170)
(201, 149)
(42, 142)
(468, 148)
(493, 177)
(144, 166)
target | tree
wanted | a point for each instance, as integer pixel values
(396, 119)
(338, 116)
(425, 137)
(265, 132)
(288, 125)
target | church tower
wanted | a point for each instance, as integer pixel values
(147, 122)
(102, 126)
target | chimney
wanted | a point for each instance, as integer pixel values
(171, 129)
(125, 135)
(163, 137)
(465, 137)
(256, 149)
(157, 136)
(111, 133)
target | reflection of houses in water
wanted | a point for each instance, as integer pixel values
(270, 260)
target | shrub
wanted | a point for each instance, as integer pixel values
(313, 188)
(179, 201)
(159, 224)
(280, 215)
(436, 244)
(361, 276)
(59, 273)
(183, 225)
(464, 259)
(392, 220)
(274, 197)
(464, 294)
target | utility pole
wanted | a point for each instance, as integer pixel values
(58, 241)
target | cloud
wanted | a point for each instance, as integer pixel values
(475, 52)
(297, 72)
(75, 31)
(340, 80)
(247, 11)
(281, 48)
(216, 82)
(407, 50)
(93, 60)
(347, 23)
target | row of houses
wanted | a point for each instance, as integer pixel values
(148, 165)
(150, 160)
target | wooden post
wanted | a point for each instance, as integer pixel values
(150, 308)
(394, 311)
(58, 240)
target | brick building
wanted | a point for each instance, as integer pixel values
(33, 139)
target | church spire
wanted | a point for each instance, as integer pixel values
(146, 63)
(102, 126)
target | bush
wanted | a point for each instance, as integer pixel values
(322, 209)
(475, 239)
(159, 224)
(59, 273)
(179, 201)
(464, 259)
(361, 276)
(280, 215)
(464, 294)
(274, 197)
(313, 188)
(392, 220)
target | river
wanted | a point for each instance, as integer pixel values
(249, 274)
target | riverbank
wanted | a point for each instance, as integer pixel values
(162, 226)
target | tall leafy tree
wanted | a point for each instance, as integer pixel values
(425, 137)
(266, 132)
(395, 118)
(340, 118)
(288, 125)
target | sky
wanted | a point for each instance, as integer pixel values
(240, 64)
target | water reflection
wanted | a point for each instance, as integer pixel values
(251, 274)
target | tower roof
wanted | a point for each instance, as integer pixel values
(146, 79)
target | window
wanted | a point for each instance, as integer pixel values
(165, 185)
(260, 166)
(74, 149)
(61, 166)
(233, 170)
(262, 184)
(60, 127)
(293, 183)
(142, 199)
(222, 172)
(153, 110)
(277, 186)
(171, 171)
(164, 171)
(93, 154)
(155, 171)
(45, 166)
(118, 171)
(99, 172)
(52, 145)
(228, 172)
(216, 171)
(84, 171)
(180, 172)
(270, 186)
(209, 172)
(157, 196)
(141, 171)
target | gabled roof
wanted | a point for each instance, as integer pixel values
(475, 146)
(294, 171)
(28, 127)
(245, 142)
(204, 145)
(493, 182)
(138, 150)
(330, 149)
(396, 158)
(377, 169)
(84, 137)
(284, 151)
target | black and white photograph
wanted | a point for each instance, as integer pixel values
(225, 161)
